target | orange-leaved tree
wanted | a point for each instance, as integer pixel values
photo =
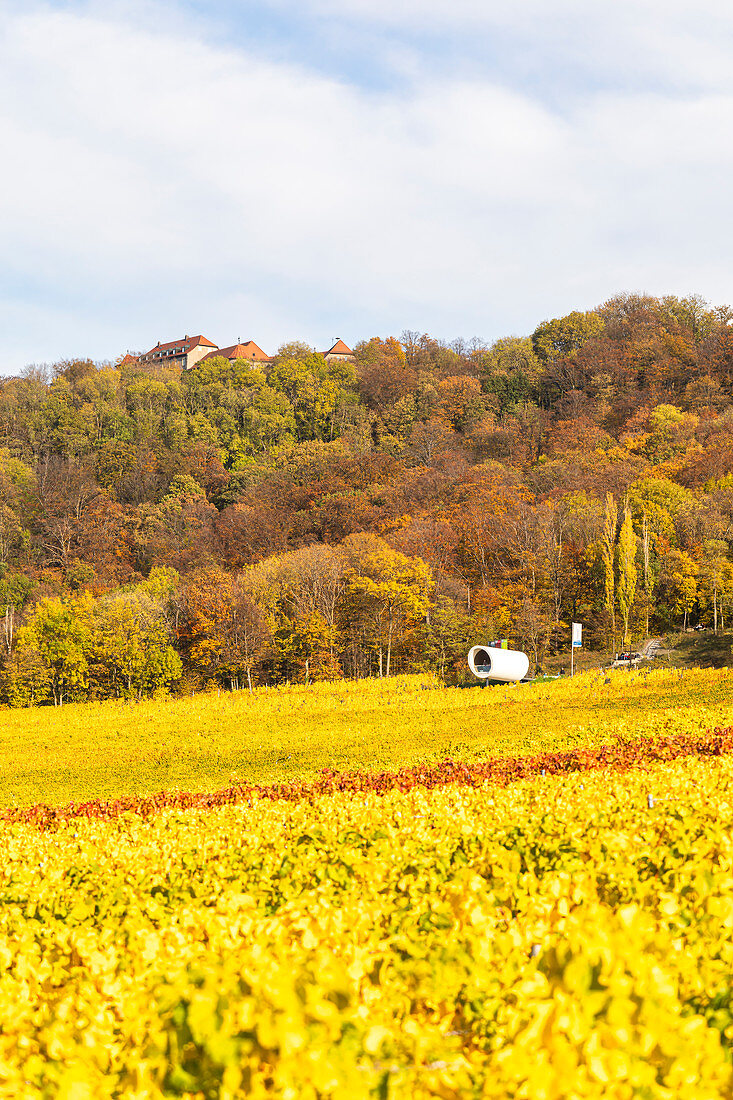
(223, 633)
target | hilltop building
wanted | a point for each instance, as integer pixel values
(178, 353)
(191, 350)
(248, 350)
(339, 351)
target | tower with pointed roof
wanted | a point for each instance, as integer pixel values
(339, 351)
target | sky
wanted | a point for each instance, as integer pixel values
(314, 169)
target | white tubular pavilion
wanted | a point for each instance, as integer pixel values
(488, 663)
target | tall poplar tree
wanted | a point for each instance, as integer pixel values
(646, 558)
(627, 573)
(608, 549)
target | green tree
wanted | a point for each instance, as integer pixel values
(315, 390)
(693, 313)
(565, 336)
(446, 638)
(26, 676)
(510, 370)
(653, 502)
(146, 398)
(670, 433)
(178, 528)
(15, 590)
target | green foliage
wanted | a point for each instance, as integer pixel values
(314, 388)
(670, 433)
(510, 370)
(565, 336)
(79, 575)
(184, 487)
(15, 590)
(677, 587)
(692, 313)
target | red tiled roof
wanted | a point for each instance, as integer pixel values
(339, 348)
(249, 350)
(187, 343)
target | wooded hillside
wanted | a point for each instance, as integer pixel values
(322, 519)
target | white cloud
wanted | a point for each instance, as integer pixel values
(642, 40)
(159, 184)
(518, 11)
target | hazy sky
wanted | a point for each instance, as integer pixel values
(320, 168)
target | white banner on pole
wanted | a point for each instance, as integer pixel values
(577, 635)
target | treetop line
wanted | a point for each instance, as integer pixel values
(306, 516)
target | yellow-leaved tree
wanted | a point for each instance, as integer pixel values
(608, 545)
(387, 593)
(626, 588)
(52, 652)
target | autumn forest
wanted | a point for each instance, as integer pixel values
(229, 525)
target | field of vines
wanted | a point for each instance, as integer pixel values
(555, 922)
(206, 742)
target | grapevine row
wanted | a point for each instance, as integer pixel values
(618, 755)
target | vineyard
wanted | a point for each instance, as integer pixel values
(548, 923)
(205, 742)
